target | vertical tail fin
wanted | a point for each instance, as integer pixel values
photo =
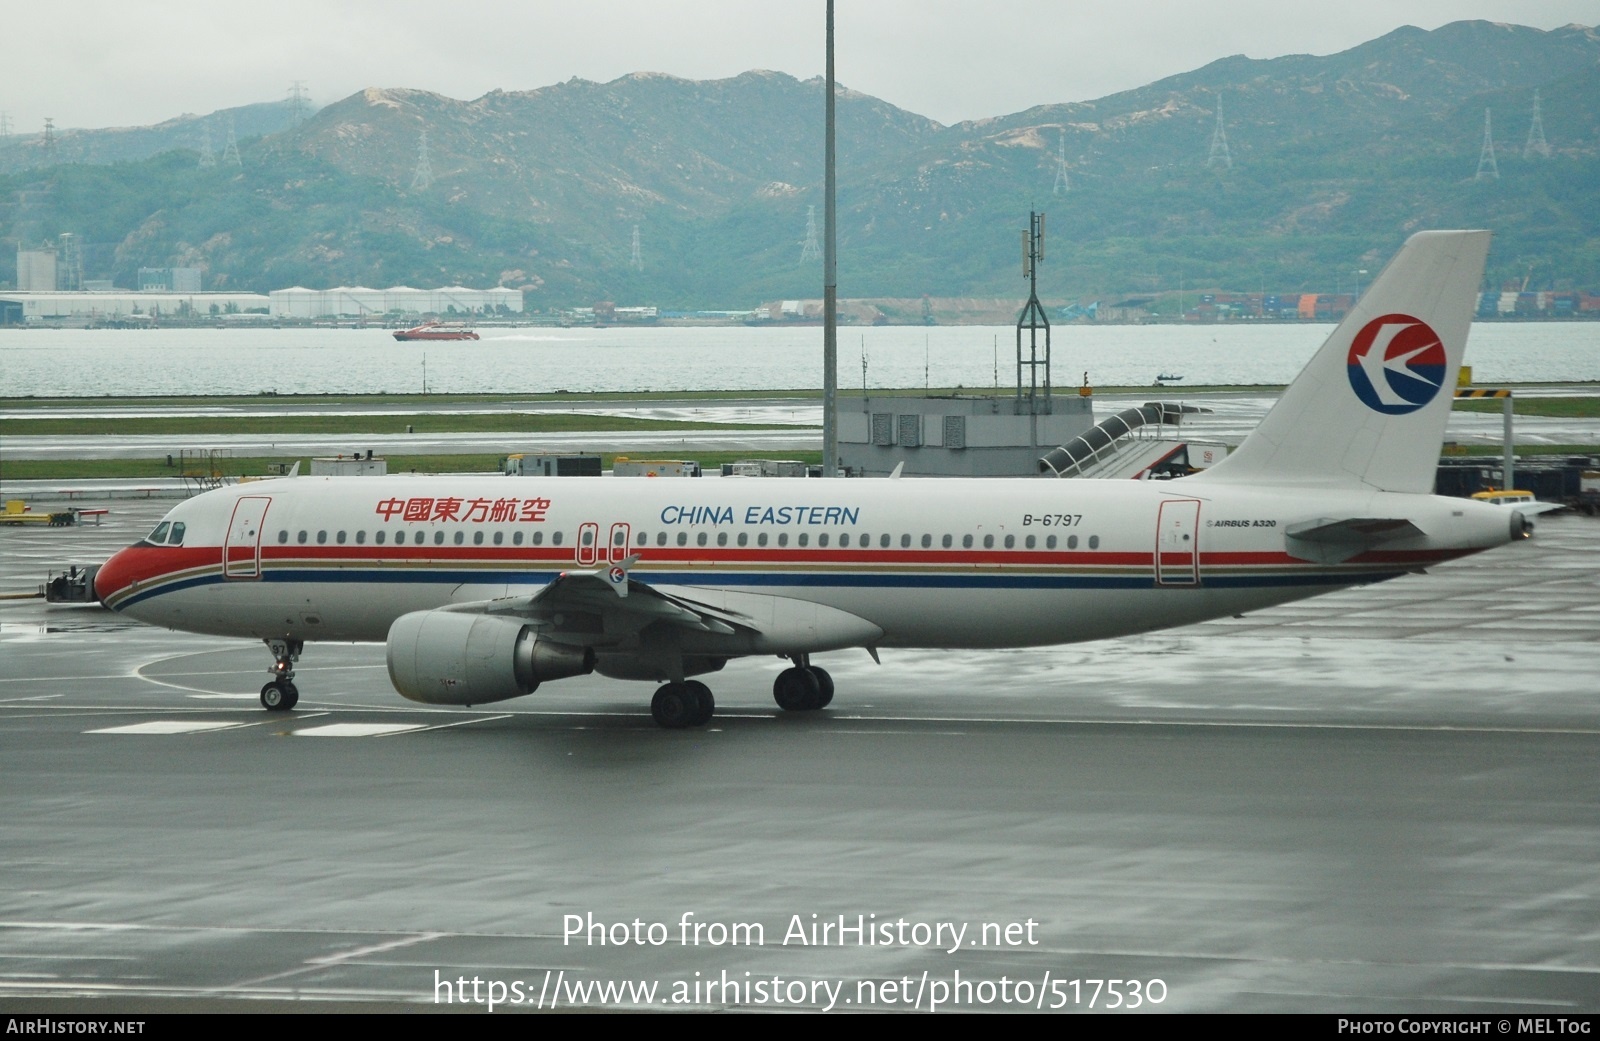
(1371, 406)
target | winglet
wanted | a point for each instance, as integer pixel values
(617, 575)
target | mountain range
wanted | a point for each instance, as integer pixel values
(1328, 163)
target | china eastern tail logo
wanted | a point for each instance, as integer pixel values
(1397, 364)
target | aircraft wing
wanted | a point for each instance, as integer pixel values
(1328, 541)
(607, 609)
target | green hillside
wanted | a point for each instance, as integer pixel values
(1334, 160)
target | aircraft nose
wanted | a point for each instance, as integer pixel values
(118, 573)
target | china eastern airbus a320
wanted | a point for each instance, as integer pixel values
(484, 588)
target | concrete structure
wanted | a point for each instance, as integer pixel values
(36, 270)
(955, 436)
(169, 280)
(357, 301)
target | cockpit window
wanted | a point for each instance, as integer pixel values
(160, 534)
(176, 537)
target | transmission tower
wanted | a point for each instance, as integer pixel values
(1536, 144)
(230, 151)
(299, 101)
(5, 125)
(49, 141)
(637, 260)
(1063, 182)
(810, 252)
(1486, 164)
(1220, 156)
(422, 180)
(208, 158)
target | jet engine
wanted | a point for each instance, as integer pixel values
(456, 658)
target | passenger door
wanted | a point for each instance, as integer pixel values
(1177, 532)
(241, 553)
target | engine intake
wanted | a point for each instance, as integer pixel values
(455, 658)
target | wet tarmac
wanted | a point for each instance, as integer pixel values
(1381, 800)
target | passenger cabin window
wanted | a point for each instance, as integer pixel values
(1050, 542)
(516, 538)
(361, 537)
(661, 538)
(683, 538)
(966, 542)
(946, 541)
(538, 538)
(438, 538)
(783, 538)
(905, 541)
(555, 540)
(1072, 542)
(844, 540)
(744, 538)
(1011, 542)
(927, 541)
(1094, 541)
(379, 535)
(988, 542)
(461, 537)
(822, 540)
(804, 539)
(339, 538)
(700, 539)
(477, 538)
(322, 538)
(761, 539)
(722, 538)
(283, 536)
(499, 538)
(884, 540)
(301, 538)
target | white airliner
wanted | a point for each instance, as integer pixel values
(485, 587)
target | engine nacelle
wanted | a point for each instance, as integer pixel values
(456, 658)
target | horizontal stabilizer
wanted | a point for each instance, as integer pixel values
(1327, 541)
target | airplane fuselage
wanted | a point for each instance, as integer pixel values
(934, 563)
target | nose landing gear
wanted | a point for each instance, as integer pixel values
(281, 695)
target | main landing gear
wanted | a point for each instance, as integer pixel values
(281, 694)
(686, 704)
(803, 688)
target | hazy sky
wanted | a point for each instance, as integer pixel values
(122, 62)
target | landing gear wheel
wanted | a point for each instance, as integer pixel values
(824, 685)
(675, 706)
(797, 690)
(705, 704)
(279, 696)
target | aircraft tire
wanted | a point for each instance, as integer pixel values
(705, 704)
(279, 697)
(824, 686)
(674, 706)
(797, 690)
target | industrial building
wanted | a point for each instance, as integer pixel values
(122, 307)
(359, 301)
